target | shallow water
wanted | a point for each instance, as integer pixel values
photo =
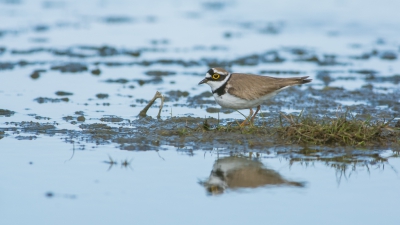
(61, 61)
(44, 185)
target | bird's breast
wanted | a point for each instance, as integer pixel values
(232, 102)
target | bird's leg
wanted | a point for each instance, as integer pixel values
(251, 113)
(246, 121)
(254, 115)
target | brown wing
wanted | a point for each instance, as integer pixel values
(249, 86)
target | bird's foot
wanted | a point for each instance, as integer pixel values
(246, 122)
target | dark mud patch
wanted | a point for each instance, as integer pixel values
(37, 117)
(112, 119)
(155, 80)
(96, 133)
(95, 72)
(6, 66)
(36, 74)
(27, 51)
(175, 95)
(6, 112)
(68, 118)
(42, 100)
(81, 119)
(388, 55)
(23, 138)
(29, 127)
(71, 68)
(74, 119)
(63, 93)
(102, 96)
(364, 72)
(118, 81)
(160, 73)
(41, 28)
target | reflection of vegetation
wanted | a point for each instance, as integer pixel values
(124, 163)
(344, 162)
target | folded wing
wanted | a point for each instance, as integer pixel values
(252, 87)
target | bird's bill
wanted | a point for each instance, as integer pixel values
(203, 81)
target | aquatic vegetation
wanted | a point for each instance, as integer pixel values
(344, 129)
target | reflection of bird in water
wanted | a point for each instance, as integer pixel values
(239, 172)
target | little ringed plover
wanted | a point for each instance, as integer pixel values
(245, 91)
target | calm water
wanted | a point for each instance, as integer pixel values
(164, 189)
(143, 47)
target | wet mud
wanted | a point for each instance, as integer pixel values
(151, 134)
(188, 133)
(6, 112)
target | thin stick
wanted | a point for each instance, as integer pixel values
(143, 113)
(161, 106)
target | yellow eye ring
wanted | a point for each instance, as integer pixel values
(215, 76)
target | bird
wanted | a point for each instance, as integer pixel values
(246, 91)
(235, 172)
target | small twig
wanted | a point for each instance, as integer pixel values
(161, 106)
(143, 113)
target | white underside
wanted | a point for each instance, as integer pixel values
(232, 102)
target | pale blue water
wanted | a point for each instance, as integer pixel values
(164, 189)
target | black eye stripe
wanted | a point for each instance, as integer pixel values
(210, 71)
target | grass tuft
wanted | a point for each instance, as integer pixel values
(344, 129)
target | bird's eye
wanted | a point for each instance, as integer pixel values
(215, 76)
